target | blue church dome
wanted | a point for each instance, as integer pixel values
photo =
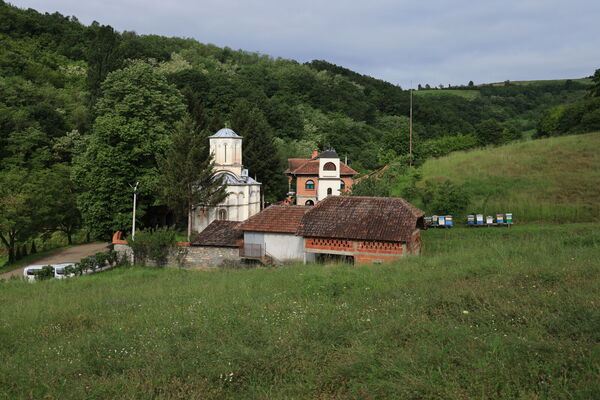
(225, 133)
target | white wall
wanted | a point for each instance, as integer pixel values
(285, 247)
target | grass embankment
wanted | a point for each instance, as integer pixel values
(468, 94)
(485, 313)
(554, 180)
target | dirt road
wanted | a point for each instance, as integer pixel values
(72, 254)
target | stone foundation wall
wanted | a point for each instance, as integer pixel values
(192, 256)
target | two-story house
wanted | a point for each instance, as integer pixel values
(320, 176)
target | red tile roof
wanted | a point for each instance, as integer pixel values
(304, 166)
(361, 218)
(281, 219)
(219, 234)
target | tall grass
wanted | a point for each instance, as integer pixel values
(555, 179)
(484, 313)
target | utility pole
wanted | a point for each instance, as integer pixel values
(410, 129)
(135, 188)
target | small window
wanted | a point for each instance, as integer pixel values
(342, 185)
(222, 215)
(309, 185)
(309, 203)
(329, 167)
(329, 191)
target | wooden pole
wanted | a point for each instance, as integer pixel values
(410, 129)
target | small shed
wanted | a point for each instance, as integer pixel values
(270, 235)
(217, 244)
(362, 229)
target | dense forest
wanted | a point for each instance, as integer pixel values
(85, 111)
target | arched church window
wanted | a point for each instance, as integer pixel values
(342, 185)
(225, 153)
(309, 185)
(329, 191)
(329, 166)
(309, 203)
(223, 214)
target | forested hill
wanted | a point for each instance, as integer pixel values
(66, 87)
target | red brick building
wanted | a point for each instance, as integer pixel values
(362, 229)
(320, 176)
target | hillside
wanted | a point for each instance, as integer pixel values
(493, 313)
(554, 179)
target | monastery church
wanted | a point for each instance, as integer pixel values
(244, 199)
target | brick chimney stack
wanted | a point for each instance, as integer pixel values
(314, 153)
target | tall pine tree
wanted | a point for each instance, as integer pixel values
(186, 177)
(260, 154)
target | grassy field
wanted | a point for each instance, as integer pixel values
(586, 81)
(467, 94)
(554, 180)
(484, 313)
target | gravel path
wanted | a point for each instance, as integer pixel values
(72, 254)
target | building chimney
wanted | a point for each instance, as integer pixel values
(315, 153)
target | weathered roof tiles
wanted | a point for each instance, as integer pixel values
(277, 219)
(361, 218)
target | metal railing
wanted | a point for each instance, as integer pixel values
(252, 250)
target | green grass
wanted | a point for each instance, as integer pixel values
(484, 313)
(586, 81)
(467, 94)
(553, 180)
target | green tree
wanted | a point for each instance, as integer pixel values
(445, 198)
(187, 176)
(135, 116)
(22, 212)
(260, 151)
(594, 91)
(489, 132)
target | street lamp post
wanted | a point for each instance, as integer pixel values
(134, 204)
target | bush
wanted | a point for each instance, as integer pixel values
(153, 244)
(45, 273)
(445, 198)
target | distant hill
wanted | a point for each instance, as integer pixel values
(554, 179)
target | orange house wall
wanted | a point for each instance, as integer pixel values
(301, 186)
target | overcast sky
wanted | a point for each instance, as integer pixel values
(427, 41)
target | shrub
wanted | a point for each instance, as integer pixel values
(45, 273)
(445, 198)
(153, 244)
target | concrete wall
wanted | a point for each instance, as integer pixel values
(193, 256)
(285, 247)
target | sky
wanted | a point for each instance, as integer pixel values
(428, 41)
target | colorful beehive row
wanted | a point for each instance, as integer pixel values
(439, 221)
(476, 220)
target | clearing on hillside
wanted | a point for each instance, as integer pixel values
(554, 179)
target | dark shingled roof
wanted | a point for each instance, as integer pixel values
(361, 218)
(280, 219)
(300, 166)
(219, 234)
(331, 153)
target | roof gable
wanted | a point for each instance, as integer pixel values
(361, 218)
(303, 166)
(278, 219)
(219, 234)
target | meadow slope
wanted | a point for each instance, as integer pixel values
(554, 180)
(489, 313)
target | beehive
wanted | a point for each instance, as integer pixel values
(489, 220)
(500, 218)
(509, 218)
(471, 220)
